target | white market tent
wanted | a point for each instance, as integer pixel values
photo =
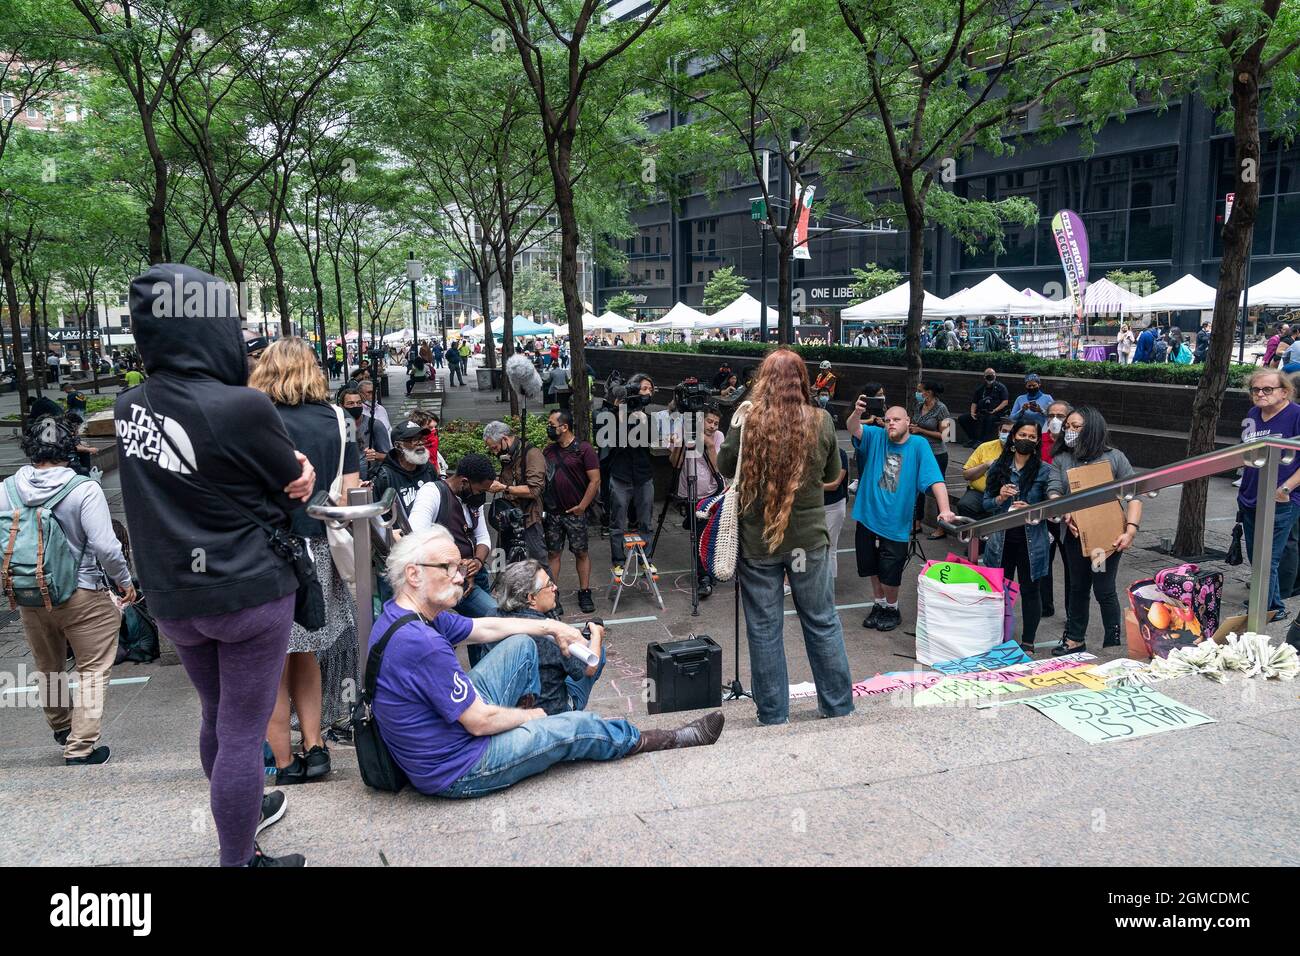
(679, 318)
(744, 313)
(401, 335)
(1281, 290)
(994, 296)
(888, 305)
(1187, 294)
(609, 322)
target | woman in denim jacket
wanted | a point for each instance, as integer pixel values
(1017, 480)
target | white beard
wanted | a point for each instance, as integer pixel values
(417, 458)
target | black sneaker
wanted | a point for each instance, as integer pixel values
(289, 859)
(1064, 648)
(318, 762)
(296, 772)
(273, 807)
(585, 603)
(61, 736)
(94, 758)
(705, 587)
(890, 618)
(873, 618)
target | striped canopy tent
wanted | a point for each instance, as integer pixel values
(1104, 297)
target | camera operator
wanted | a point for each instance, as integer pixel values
(522, 480)
(623, 437)
(697, 453)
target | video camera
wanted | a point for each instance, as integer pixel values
(616, 390)
(691, 396)
(508, 520)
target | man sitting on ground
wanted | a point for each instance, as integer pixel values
(524, 589)
(465, 735)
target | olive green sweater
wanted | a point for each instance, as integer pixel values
(807, 527)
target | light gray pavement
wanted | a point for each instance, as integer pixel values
(888, 785)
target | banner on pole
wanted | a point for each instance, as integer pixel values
(801, 225)
(1072, 244)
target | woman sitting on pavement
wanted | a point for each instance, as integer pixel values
(525, 589)
(1017, 480)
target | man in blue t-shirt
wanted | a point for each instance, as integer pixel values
(896, 467)
(458, 734)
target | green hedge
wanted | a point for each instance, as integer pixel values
(1165, 373)
(459, 436)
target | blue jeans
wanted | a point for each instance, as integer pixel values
(477, 602)
(1284, 516)
(580, 689)
(813, 590)
(507, 674)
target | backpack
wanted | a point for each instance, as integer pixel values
(40, 569)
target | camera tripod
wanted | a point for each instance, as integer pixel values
(690, 463)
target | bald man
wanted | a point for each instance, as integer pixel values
(897, 466)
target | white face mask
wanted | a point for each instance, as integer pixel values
(1003, 437)
(1071, 438)
(1054, 425)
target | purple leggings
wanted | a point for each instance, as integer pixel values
(234, 661)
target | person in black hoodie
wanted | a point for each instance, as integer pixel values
(407, 466)
(189, 439)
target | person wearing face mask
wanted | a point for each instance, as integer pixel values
(823, 399)
(522, 481)
(1017, 480)
(373, 439)
(1032, 406)
(986, 405)
(1084, 440)
(1057, 413)
(572, 484)
(975, 471)
(456, 503)
(933, 423)
(407, 467)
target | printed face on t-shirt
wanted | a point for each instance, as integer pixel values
(889, 476)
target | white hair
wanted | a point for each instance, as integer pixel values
(411, 549)
(495, 431)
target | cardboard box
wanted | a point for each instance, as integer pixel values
(1099, 525)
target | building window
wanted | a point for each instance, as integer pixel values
(659, 273)
(33, 112)
(6, 105)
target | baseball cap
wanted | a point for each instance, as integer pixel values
(825, 364)
(408, 430)
(1032, 377)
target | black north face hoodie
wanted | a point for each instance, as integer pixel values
(194, 554)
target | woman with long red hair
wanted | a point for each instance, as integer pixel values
(790, 453)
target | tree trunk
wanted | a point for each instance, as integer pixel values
(15, 325)
(915, 209)
(581, 401)
(158, 199)
(281, 290)
(784, 269)
(338, 297)
(489, 347)
(1238, 233)
(506, 275)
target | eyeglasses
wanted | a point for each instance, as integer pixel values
(549, 585)
(451, 568)
(1264, 389)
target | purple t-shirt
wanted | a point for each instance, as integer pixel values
(421, 694)
(1285, 424)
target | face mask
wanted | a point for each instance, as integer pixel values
(989, 379)
(1071, 439)
(552, 433)
(1003, 437)
(920, 396)
(420, 457)
(823, 400)
(1031, 389)
(1026, 446)
(473, 500)
(355, 412)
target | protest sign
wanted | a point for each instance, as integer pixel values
(1120, 713)
(1071, 676)
(994, 658)
(953, 690)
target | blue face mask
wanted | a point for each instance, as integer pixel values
(920, 396)
(823, 400)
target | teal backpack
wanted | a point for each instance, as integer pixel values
(40, 569)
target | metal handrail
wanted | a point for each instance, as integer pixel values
(325, 510)
(1263, 453)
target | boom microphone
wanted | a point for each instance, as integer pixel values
(524, 378)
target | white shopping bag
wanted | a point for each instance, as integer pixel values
(955, 620)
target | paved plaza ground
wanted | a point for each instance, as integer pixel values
(890, 784)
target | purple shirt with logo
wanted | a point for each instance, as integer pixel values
(1285, 424)
(420, 696)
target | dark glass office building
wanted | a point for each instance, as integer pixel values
(1151, 193)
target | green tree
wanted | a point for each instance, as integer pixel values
(538, 291)
(1137, 281)
(723, 288)
(872, 281)
(621, 303)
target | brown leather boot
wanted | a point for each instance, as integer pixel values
(701, 732)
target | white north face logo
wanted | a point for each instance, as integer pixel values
(141, 438)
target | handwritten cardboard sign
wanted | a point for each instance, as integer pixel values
(1003, 655)
(1066, 677)
(1121, 713)
(953, 690)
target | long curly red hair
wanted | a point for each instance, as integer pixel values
(780, 431)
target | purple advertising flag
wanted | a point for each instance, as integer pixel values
(1072, 243)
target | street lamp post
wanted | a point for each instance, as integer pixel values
(414, 271)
